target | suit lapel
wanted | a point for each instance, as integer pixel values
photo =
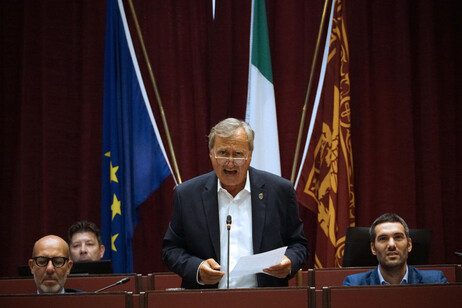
(413, 276)
(210, 203)
(374, 278)
(259, 203)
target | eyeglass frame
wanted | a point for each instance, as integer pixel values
(52, 259)
(228, 159)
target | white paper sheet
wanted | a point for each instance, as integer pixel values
(256, 263)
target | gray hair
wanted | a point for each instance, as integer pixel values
(227, 127)
(387, 217)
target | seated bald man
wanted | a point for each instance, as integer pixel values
(50, 265)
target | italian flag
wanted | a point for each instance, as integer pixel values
(261, 105)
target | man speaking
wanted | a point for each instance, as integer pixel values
(264, 213)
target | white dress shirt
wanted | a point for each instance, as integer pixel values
(240, 209)
(384, 282)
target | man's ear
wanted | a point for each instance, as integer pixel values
(374, 252)
(31, 266)
(102, 250)
(69, 266)
(409, 244)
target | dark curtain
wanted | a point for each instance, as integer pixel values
(405, 73)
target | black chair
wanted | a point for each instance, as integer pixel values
(92, 267)
(358, 250)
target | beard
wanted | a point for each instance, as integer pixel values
(50, 288)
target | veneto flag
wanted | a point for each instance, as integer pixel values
(134, 162)
(325, 181)
(261, 105)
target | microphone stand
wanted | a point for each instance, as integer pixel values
(228, 226)
(121, 281)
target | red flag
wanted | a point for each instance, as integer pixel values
(325, 181)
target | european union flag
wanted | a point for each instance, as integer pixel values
(134, 161)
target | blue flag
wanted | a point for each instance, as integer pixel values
(134, 162)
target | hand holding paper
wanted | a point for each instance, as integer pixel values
(281, 270)
(209, 272)
(256, 263)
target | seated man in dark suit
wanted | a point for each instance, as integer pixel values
(390, 242)
(50, 265)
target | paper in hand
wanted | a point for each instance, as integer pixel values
(256, 263)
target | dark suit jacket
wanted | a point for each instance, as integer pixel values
(67, 290)
(71, 290)
(415, 276)
(193, 234)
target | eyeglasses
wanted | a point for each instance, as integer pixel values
(224, 159)
(57, 261)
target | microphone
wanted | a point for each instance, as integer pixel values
(121, 281)
(459, 254)
(228, 222)
(228, 226)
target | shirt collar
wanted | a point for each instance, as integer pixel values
(246, 187)
(384, 282)
(62, 291)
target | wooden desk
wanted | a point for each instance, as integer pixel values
(422, 296)
(242, 298)
(166, 280)
(305, 278)
(88, 283)
(313, 277)
(147, 282)
(75, 300)
(91, 283)
(326, 277)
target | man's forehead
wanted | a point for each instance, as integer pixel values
(231, 143)
(231, 147)
(86, 235)
(51, 249)
(389, 228)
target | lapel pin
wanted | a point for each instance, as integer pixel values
(260, 196)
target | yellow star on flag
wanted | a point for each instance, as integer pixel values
(115, 207)
(113, 239)
(113, 173)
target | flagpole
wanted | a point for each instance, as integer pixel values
(156, 91)
(308, 90)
